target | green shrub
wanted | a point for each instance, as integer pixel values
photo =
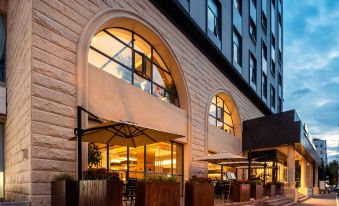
(195, 179)
(63, 177)
(158, 179)
(100, 174)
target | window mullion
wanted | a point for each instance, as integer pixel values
(133, 58)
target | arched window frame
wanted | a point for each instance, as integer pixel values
(168, 92)
(217, 117)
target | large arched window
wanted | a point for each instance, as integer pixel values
(220, 115)
(128, 56)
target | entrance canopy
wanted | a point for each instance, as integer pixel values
(125, 134)
(221, 157)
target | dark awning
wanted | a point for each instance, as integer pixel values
(276, 130)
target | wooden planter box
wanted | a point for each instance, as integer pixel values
(279, 189)
(241, 192)
(64, 193)
(199, 194)
(257, 191)
(100, 192)
(269, 190)
(157, 194)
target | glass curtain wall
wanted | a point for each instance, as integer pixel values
(281, 172)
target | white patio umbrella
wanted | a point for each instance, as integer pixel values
(241, 163)
(125, 134)
(221, 157)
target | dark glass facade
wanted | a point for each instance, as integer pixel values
(247, 27)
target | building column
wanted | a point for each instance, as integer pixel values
(290, 192)
(316, 178)
(291, 167)
(303, 176)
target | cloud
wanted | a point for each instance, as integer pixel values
(311, 66)
(301, 92)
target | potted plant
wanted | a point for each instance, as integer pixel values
(269, 189)
(199, 191)
(241, 191)
(101, 187)
(64, 190)
(257, 189)
(94, 155)
(158, 190)
(279, 188)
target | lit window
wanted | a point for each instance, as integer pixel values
(237, 48)
(213, 17)
(253, 69)
(220, 115)
(128, 56)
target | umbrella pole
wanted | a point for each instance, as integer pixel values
(249, 164)
(79, 139)
(107, 158)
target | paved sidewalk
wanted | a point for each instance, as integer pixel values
(320, 200)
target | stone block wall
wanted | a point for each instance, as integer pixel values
(17, 142)
(42, 88)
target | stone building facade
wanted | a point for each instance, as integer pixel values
(47, 48)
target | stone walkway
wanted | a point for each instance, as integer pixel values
(321, 200)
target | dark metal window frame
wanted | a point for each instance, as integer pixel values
(264, 85)
(222, 114)
(217, 18)
(238, 59)
(134, 51)
(253, 69)
(272, 99)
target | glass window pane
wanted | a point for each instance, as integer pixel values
(158, 60)
(97, 59)
(213, 6)
(211, 21)
(142, 83)
(141, 45)
(163, 79)
(136, 162)
(118, 160)
(112, 48)
(220, 102)
(220, 124)
(122, 34)
(158, 158)
(220, 113)
(212, 121)
(214, 100)
(119, 71)
(212, 110)
(160, 92)
(228, 119)
(138, 62)
(226, 108)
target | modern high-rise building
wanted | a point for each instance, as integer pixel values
(196, 69)
(321, 147)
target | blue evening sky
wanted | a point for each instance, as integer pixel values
(311, 66)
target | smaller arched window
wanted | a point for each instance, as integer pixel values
(128, 56)
(220, 115)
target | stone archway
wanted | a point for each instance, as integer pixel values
(134, 22)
